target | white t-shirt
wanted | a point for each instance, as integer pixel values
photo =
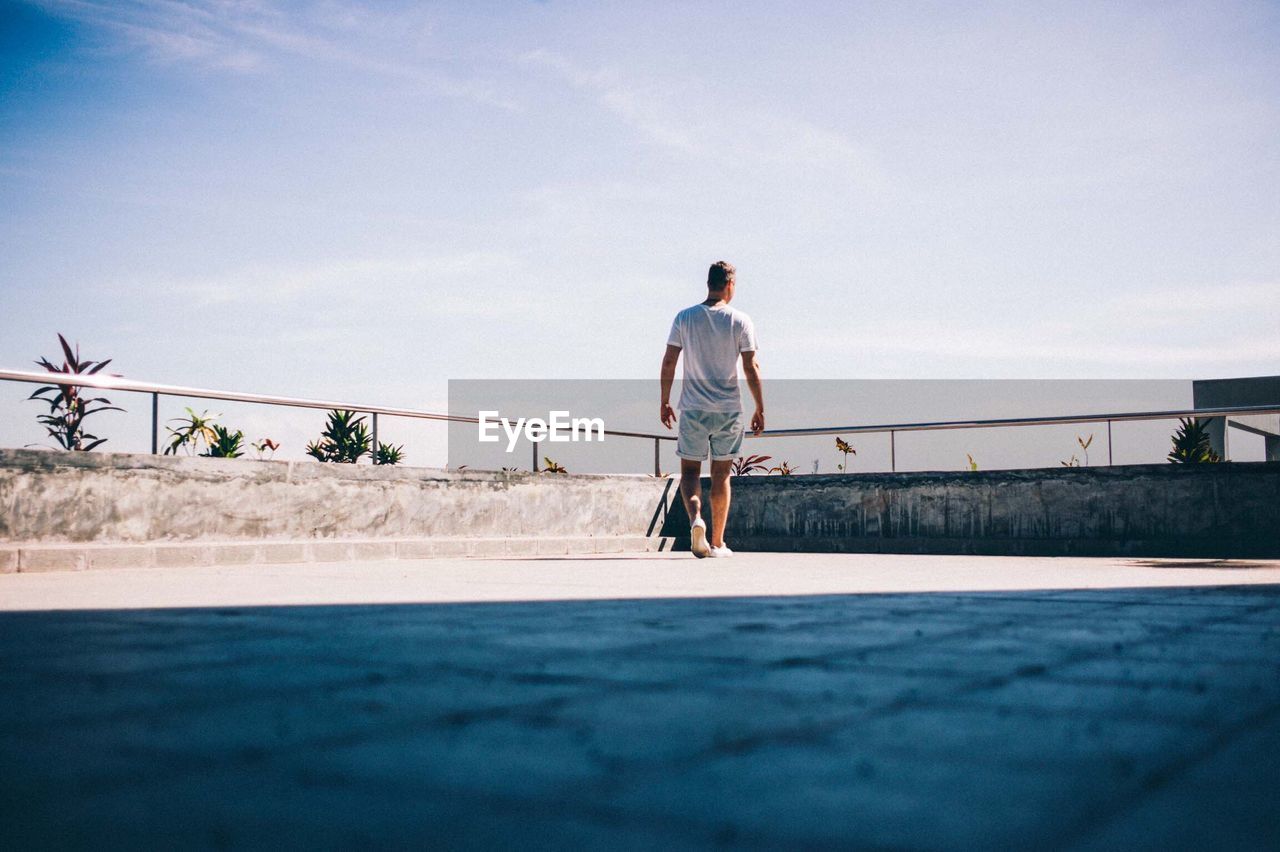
(711, 340)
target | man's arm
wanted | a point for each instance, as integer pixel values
(665, 412)
(751, 369)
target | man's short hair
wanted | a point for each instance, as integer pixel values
(719, 275)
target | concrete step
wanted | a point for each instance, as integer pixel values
(82, 557)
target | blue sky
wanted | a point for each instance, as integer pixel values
(348, 200)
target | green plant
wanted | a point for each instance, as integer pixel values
(973, 465)
(225, 444)
(1084, 447)
(747, 465)
(847, 449)
(388, 454)
(265, 446)
(67, 408)
(783, 469)
(550, 466)
(345, 439)
(1191, 443)
(196, 429)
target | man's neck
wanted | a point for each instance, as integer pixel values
(714, 301)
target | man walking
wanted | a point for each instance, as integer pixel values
(712, 337)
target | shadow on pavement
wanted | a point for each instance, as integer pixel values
(1126, 716)
(1228, 564)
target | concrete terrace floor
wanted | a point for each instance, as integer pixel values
(645, 701)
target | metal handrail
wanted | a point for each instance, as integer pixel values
(158, 390)
(120, 383)
(894, 428)
(1226, 411)
(132, 385)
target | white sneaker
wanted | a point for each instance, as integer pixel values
(698, 539)
(721, 552)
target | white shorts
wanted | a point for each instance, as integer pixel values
(721, 431)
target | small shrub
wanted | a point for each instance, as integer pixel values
(265, 448)
(388, 454)
(345, 439)
(783, 469)
(549, 466)
(747, 465)
(195, 430)
(67, 408)
(844, 447)
(1084, 447)
(225, 444)
(1191, 443)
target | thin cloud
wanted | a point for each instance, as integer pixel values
(243, 37)
(168, 33)
(447, 284)
(645, 112)
(674, 119)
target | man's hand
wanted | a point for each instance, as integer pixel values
(665, 412)
(751, 369)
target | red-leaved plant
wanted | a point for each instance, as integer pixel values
(747, 465)
(67, 408)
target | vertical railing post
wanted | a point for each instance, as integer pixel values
(1109, 461)
(534, 444)
(893, 452)
(657, 462)
(155, 424)
(374, 454)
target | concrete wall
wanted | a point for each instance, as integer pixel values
(1215, 510)
(91, 499)
(51, 497)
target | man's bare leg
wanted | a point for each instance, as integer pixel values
(691, 493)
(691, 488)
(720, 471)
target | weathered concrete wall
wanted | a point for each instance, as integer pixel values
(1141, 510)
(49, 497)
(64, 499)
